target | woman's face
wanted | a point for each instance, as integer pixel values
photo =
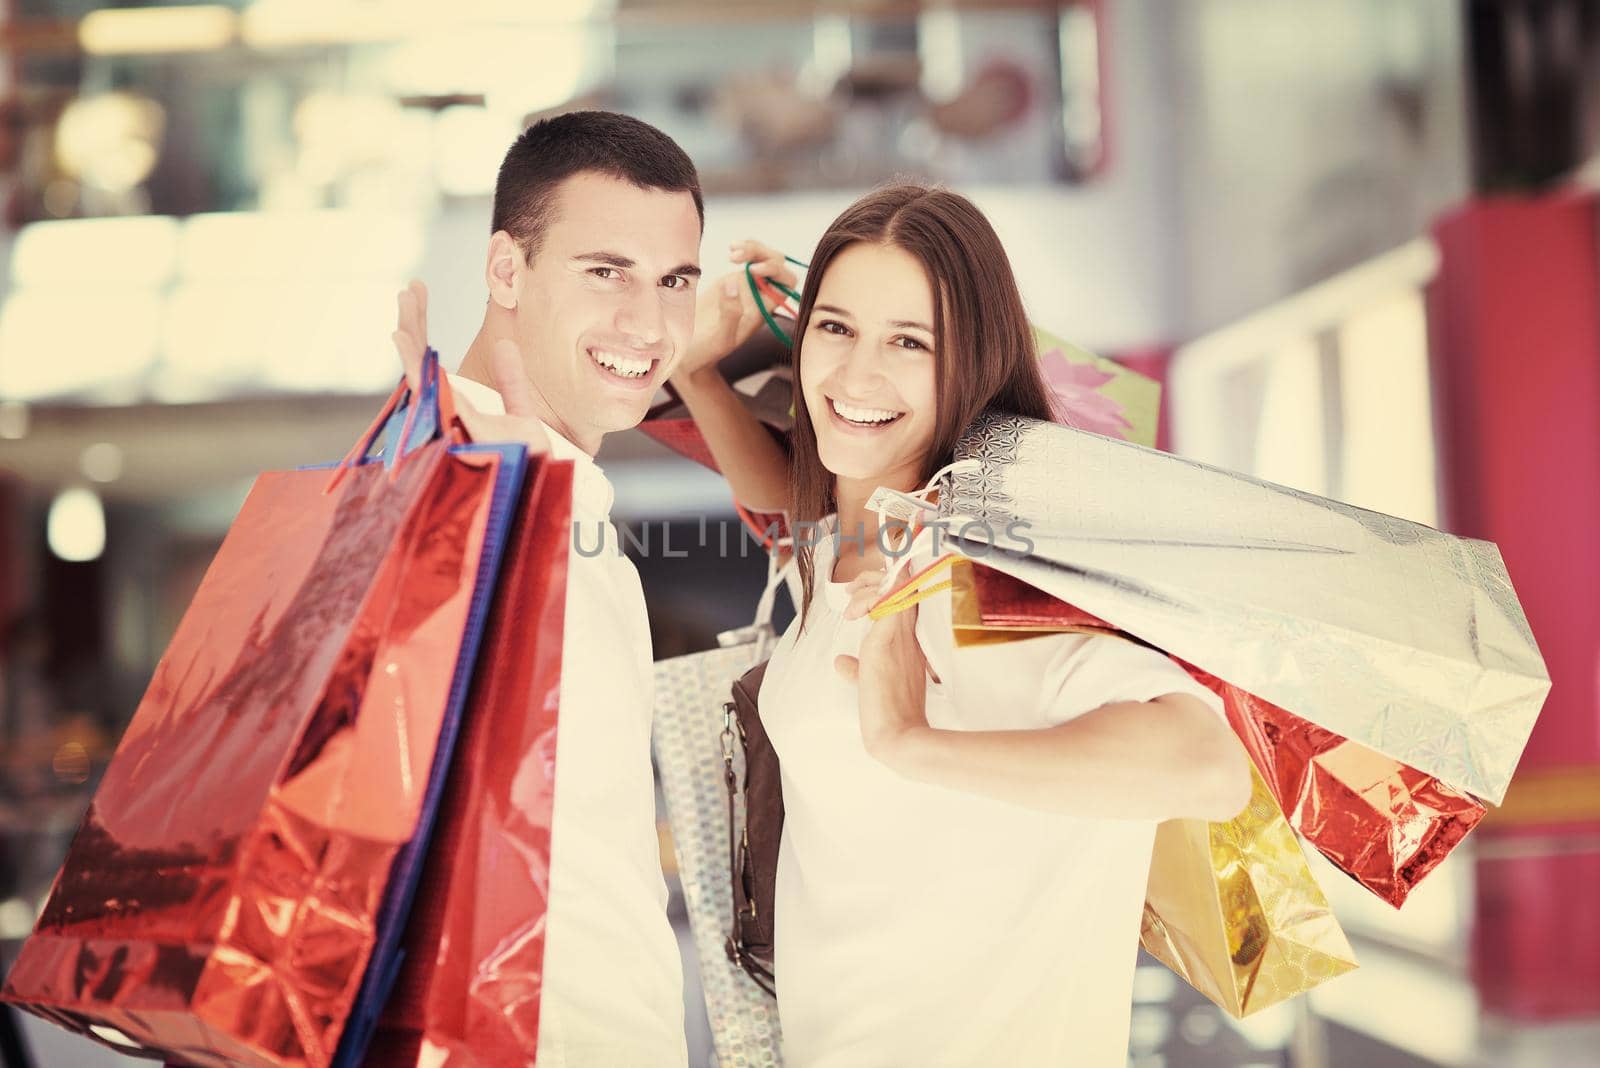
(867, 369)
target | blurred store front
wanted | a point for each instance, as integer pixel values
(1355, 239)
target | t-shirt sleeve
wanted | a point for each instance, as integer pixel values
(1100, 669)
(1050, 678)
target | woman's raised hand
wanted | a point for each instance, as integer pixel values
(891, 673)
(726, 313)
(519, 424)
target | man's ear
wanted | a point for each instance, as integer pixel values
(502, 272)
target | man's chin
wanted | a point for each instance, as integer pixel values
(613, 414)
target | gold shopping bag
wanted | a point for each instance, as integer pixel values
(1234, 910)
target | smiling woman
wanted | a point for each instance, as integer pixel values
(938, 802)
(910, 308)
(868, 367)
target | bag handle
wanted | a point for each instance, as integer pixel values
(759, 630)
(909, 509)
(430, 414)
(780, 294)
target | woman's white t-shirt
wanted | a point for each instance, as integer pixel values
(916, 924)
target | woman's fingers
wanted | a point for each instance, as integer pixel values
(752, 251)
(764, 260)
(864, 591)
(778, 270)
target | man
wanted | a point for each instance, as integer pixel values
(592, 274)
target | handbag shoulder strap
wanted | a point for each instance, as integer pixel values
(741, 720)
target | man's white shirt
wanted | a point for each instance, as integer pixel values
(613, 978)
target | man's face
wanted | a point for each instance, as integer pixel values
(607, 305)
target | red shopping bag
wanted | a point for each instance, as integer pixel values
(469, 991)
(236, 891)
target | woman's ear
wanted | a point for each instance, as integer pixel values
(503, 270)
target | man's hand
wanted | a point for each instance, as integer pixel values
(519, 424)
(891, 673)
(726, 313)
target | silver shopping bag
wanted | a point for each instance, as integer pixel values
(1387, 632)
(689, 743)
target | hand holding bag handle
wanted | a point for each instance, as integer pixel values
(431, 414)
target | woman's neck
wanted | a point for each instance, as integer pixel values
(858, 524)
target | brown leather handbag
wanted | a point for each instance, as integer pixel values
(753, 849)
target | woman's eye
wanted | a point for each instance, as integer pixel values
(831, 326)
(910, 343)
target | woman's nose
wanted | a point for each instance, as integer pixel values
(861, 370)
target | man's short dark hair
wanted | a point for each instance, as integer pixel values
(554, 149)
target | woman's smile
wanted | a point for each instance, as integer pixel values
(860, 419)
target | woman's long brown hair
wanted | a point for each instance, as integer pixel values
(984, 352)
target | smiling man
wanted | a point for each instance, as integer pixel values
(591, 272)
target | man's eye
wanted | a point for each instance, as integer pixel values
(675, 281)
(604, 272)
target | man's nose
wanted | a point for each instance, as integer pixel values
(642, 319)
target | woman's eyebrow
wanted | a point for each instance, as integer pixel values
(898, 324)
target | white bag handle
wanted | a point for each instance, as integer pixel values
(760, 629)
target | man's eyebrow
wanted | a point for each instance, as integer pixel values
(610, 259)
(621, 262)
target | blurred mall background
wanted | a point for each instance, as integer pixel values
(1356, 238)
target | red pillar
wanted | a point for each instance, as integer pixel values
(1514, 319)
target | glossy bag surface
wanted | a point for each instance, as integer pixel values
(469, 991)
(236, 892)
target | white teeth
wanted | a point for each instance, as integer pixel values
(865, 415)
(626, 366)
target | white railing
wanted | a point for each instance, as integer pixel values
(1327, 390)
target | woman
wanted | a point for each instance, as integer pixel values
(967, 834)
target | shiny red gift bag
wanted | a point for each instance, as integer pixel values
(468, 993)
(240, 879)
(1385, 824)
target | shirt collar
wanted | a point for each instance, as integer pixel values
(592, 492)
